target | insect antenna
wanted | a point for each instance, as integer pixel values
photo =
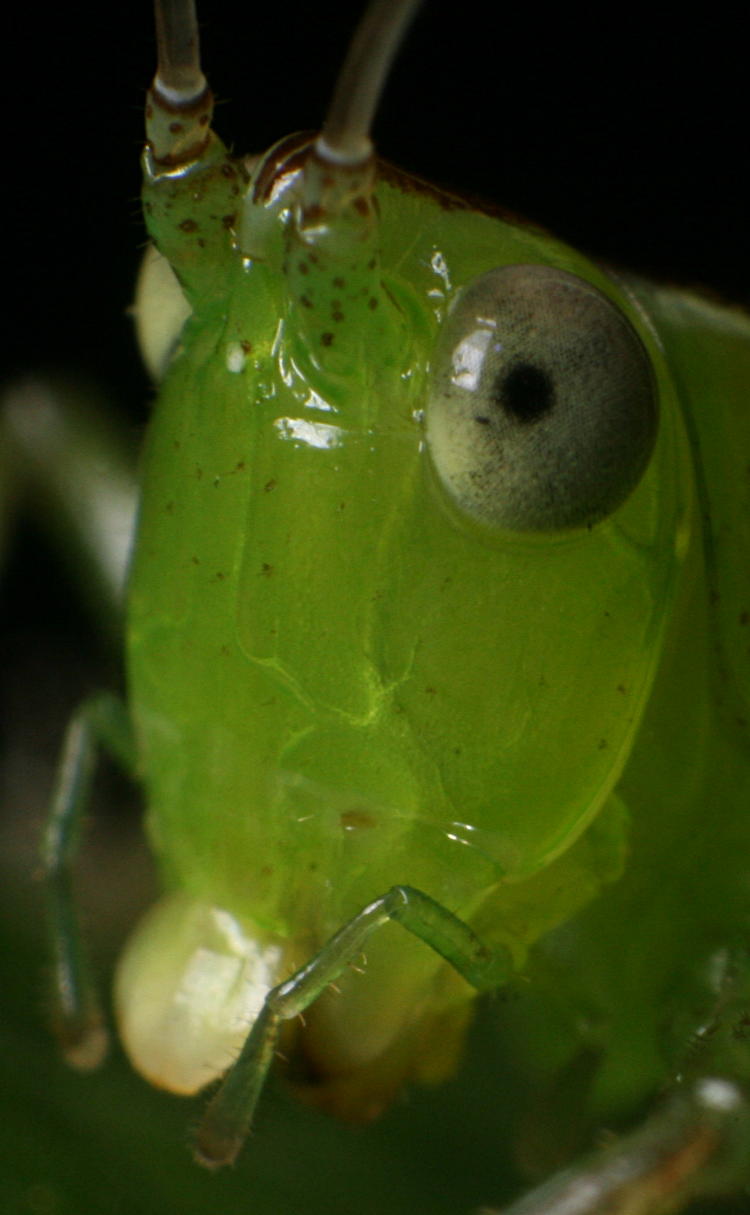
(180, 104)
(179, 78)
(345, 138)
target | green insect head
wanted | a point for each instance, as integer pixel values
(413, 517)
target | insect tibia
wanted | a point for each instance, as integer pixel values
(691, 1148)
(76, 1013)
(180, 104)
(227, 1119)
(229, 1115)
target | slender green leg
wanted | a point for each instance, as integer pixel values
(66, 462)
(77, 1017)
(227, 1119)
(695, 1147)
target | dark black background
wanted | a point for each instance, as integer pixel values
(622, 132)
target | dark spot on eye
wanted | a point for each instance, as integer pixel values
(525, 392)
(188, 225)
(326, 339)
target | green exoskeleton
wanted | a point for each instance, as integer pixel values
(410, 468)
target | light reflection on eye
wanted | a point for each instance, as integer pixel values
(312, 434)
(468, 358)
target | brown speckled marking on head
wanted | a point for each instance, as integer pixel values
(407, 183)
(357, 820)
(190, 119)
(311, 215)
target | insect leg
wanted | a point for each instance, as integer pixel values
(77, 1016)
(67, 462)
(228, 1116)
(694, 1147)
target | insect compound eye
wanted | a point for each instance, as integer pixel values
(542, 411)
